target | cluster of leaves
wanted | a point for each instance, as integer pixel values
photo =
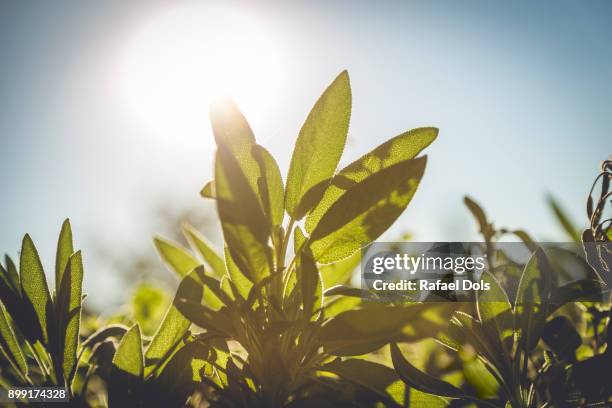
(498, 336)
(272, 320)
(266, 334)
(274, 336)
(39, 331)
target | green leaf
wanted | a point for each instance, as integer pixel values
(68, 309)
(417, 398)
(531, 305)
(401, 148)
(10, 295)
(177, 258)
(319, 147)
(174, 325)
(366, 210)
(420, 380)
(495, 313)
(205, 249)
(209, 190)
(299, 239)
(237, 278)
(254, 164)
(245, 227)
(486, 228)
(64, 251)
(217, 322)
(375, 377)
(127, 371)
(270, 186)
(10, 345)
(565, 221)
(12, 274)
(341, 272)
(114, 330)
(34, 288)
(310, 284)
(383, 324)
(178, 378)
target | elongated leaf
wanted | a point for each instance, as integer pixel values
(237, 280)
(245, 227)
(420, 380)
(380, 323)
(174, 325)
(532, 299)
(10, 294)
(565, 221)
(365, 211)
(380, 379)
(34, 288)
(270, 185)
(127, 371)
(319, 146)
(68, 310)
(64, 251)
(310, 284)
(12, 274)
(486, 229)
(256, 166)
(10, 345)
(495, 314)
(177, 258)
(401, 148)
(205, 249)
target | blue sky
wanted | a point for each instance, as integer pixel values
(521, 92)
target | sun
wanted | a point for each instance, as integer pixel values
(184, 58)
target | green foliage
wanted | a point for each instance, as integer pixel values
(319, 147)
(505, 336)
(269, 309)
(40, 333)
(259, 325)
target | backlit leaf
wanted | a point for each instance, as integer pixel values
(270, 185)
(177, 258)
(69, 313)
(205, 249)
(401, 148)
(319, 146)
(64, 251)
(245, 227)
(34, 288)
(563, 219)
(127, 371)
(9, 344)
(174, 325)
(365, 211)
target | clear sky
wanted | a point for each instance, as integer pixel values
(103, 109)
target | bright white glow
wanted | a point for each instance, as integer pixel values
(184, 58)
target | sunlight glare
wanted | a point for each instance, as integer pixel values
(186, 57)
